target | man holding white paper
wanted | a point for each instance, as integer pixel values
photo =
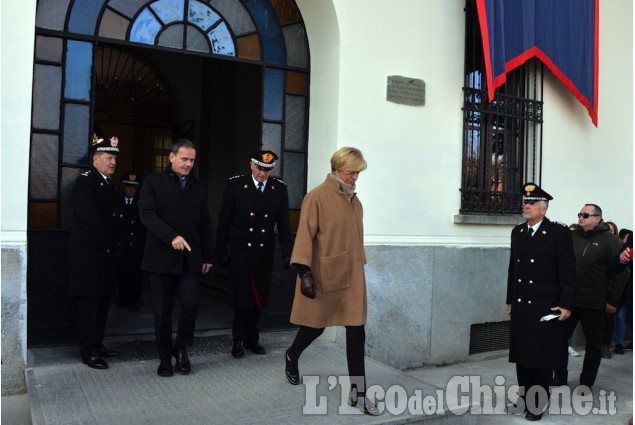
(540, 282)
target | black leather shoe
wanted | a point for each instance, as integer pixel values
(165, 368)
(362, 403)
(619, 349)
(531, 417)
(182, 361)
(108, 353)
(254, 347)
(95, 362)
(237, 349)
(291, 370)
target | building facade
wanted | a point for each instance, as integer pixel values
(314, 78)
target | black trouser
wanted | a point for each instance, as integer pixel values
(245, 324)
(130, 286)
(528, 378)
(92, 314)
(163, 287)
(355, 340)
(592, 325)
(609, 326)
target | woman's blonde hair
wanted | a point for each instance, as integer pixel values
(348, 160)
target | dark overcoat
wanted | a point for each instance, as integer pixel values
(541, 275)
(95, 230)
(246, 234)
(167, 211)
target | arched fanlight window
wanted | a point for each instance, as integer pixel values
(269, 33)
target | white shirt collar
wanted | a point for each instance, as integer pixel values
(535, 226)
(256, 182)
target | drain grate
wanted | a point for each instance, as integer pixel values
(489, 337)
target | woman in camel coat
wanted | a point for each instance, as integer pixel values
(329, 257)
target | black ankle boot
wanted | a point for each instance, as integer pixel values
(291, 369)
(360, 401)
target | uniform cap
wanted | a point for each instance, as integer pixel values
(264, 160)
(105, 145)
(131, 179)
(533, 192)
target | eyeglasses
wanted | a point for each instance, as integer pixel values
(587, 215)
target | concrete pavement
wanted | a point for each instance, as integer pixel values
(253, 389)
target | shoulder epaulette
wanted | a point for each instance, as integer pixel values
(279, 180)
(561, 223)
(87, 173)
(235, 177)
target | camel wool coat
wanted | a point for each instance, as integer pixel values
(330, 240)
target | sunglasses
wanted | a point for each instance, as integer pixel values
(587, 215)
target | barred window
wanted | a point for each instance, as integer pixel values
(502, 139)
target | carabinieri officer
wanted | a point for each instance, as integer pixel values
(541, 281)
(94, 245)
(252, 206)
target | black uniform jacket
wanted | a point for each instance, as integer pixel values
(97, 217)
(135, 234)
(246, 233)
(541, 275)
(167, 211)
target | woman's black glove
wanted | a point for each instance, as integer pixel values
(307, 285)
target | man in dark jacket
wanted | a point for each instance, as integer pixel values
(594, 245)
(173, 208)
(95, 243)
(130, 276)
(252, 206)
(540, 282)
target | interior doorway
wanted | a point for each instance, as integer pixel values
(148, 98)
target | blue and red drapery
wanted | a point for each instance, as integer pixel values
(563, 34)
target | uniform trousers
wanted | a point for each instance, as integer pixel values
(92, 314)
(355, 340)
(592, 325)
(534, 378)
(163, 288)
(245, 324)
(130, 280)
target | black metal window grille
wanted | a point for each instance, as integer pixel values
(502, 139)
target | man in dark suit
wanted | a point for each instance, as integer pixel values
(540, 282)
(252, 206)
(95, 242)
(130, 276)
(173, 207)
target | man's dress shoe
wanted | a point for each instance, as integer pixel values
(182, 361)
(165, 368)
(237, 349)
(532, 417)
(95, 362)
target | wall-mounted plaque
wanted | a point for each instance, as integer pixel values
(405, 90)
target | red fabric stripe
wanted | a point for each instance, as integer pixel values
(482, 17)
(253, 288)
